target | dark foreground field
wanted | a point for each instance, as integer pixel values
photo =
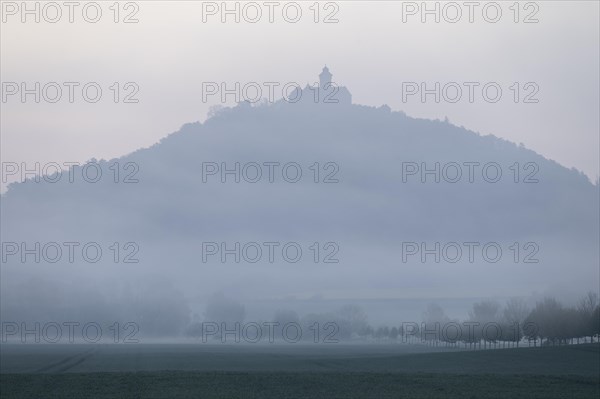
(188, 371)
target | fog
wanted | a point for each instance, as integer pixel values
(353, 219)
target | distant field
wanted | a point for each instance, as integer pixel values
(332, 371)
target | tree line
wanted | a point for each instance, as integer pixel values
(488, 325)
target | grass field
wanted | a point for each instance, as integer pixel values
(278, 371)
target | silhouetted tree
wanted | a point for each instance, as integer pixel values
(283, 318)
(221, 309)
(546, 319)
(587, 306)
(355, 317)
(487, 315)
(515, 313)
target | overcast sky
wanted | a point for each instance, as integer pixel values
(170, 52)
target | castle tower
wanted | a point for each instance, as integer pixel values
(325, 77)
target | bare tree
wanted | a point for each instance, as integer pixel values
(484, 313)
(515, 313)
(586, 308)
(221, 309)
(588, 303)
(434, 320)
(283, 318)
(355, 317)
(547, 319)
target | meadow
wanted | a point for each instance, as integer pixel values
(297, 371)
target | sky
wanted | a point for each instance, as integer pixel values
(378, 49)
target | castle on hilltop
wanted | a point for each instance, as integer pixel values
(328, 92)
